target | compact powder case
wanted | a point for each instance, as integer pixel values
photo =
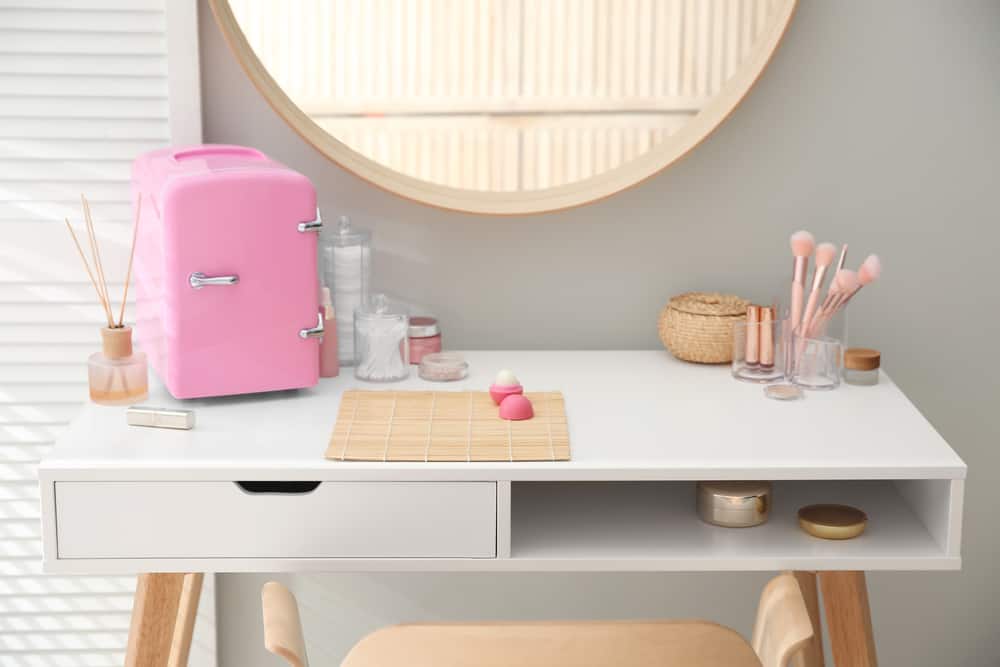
(734, 504)
(832, 522)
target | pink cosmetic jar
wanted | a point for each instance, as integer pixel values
(425, 338)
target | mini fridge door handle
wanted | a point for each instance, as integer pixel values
(316, 331)
(312, 225)
(197, 280)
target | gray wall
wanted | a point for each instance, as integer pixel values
(876, 124)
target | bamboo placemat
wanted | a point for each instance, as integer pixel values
(446, 426)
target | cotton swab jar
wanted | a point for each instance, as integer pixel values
(381, 349)
(346, 258)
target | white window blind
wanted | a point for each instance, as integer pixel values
(85, 85)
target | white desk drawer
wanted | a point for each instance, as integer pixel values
(223, 520)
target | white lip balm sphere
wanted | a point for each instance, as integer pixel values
(505, 378)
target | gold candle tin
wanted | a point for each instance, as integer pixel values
(832, 522)
(734, 504)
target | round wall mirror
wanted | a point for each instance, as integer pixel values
(504, 106)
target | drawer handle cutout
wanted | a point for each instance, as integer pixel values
(286, 488)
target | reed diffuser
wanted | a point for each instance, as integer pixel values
(117, 375)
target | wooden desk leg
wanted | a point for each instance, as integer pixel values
(812, 654)
(180, 646)
(848, 618)
(163, 616)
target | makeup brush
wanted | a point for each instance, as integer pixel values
(802, 243)
(846, 282)
(870, 270)
(868, 273)
(825, 253)
(843, 257)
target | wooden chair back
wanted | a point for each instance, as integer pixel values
(782, 628)
(562, 644)
(282, 625)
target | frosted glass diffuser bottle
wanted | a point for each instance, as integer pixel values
(117, 374)
(347, 268)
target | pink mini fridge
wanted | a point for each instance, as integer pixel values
(227, 291)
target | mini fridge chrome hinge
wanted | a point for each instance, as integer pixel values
(312, 225)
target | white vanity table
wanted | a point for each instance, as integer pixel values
(643, 429)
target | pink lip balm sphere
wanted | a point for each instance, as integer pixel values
(506, 384)
(516, 407)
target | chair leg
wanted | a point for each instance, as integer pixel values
(812, 654)
(848, 618)
(162, 619)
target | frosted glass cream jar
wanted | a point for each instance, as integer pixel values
(861, 366)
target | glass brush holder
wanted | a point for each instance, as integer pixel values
(815, 354)
(758, 354)
(117, 375)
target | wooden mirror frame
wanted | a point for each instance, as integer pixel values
(525, 202)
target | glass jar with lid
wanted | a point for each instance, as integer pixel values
(381, 349)
(425, 338)
(346, 266)
(861, 366)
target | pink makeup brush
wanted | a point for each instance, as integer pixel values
(868, 273)
(833, 292)
(843, 257)
(844, 281)
(825, 253)
(802, 243)
(870, 270)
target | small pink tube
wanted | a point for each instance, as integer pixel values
(329, 360)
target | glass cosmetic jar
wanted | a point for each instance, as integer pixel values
(380, 346)
(814, 363)
(346, 260)
(425, 338)
(443, 367)
(757, 347)
(861, 366)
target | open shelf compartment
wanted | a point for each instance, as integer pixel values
(913, 524)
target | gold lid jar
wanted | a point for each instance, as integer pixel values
(734, 504)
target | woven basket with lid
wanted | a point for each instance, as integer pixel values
(698, 326)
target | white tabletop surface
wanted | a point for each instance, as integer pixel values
(632, 415)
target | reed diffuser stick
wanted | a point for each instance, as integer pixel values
(98, 265)
(131, 254)
(117, 374)
(86, 266)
